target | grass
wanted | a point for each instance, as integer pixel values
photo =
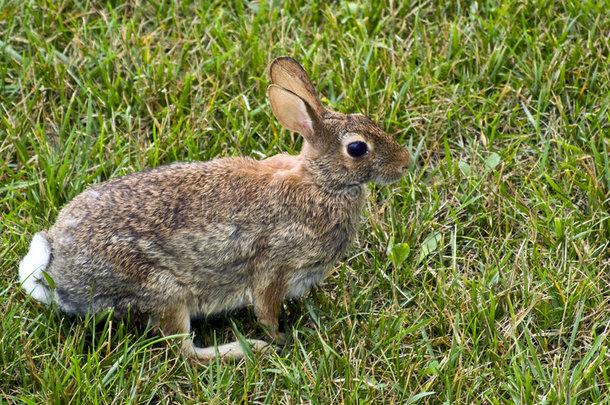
(482, 277)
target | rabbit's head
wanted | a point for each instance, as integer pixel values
(342, 150)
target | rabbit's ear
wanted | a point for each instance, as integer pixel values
(293, 112)
(289, 74)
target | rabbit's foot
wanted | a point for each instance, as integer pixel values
(278, 338)
(226, 352)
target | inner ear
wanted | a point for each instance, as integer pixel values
(289, 74)
(293, 112)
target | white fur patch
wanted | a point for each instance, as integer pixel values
(31, 268)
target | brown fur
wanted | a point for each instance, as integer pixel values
(193, 239)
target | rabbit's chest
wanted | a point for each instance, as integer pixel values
(313, 259)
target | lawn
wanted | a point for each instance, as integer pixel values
(483, 276)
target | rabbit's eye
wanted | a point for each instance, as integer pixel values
(357, 149)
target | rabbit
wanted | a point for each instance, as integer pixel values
(188, 240)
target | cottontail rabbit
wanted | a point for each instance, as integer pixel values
(193, 239)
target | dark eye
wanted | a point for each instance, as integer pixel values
(357, 149)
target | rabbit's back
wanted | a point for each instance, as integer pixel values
(204, 234)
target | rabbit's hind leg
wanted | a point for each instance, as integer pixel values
(178, 322)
